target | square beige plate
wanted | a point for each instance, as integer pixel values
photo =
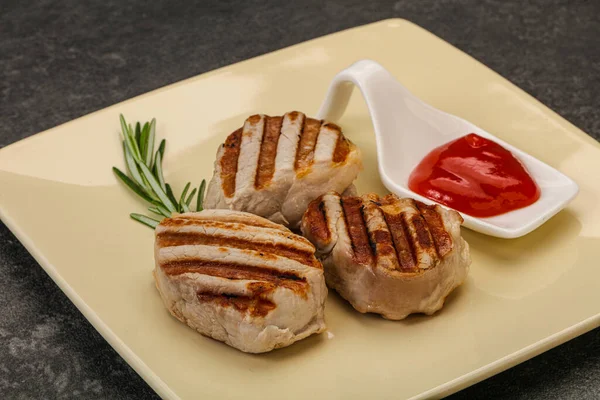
(522, 297)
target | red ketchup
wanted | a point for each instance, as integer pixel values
(475, 176)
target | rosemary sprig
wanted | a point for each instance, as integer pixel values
(145, 175)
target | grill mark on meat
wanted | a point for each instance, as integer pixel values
(319, 227)
(422, 233)
(379, 235)
(370, 237)
(234, 227)
(171, 239)
(423, 244)
(342, 147)
(191, 221)
(411, 239)
(357, 231)
(258, 288)
(389, 232)
(441, 238)
(416, 230)
(256, 306)
(384, 247)
(402, 244)
(306, 145)
(229, 162)
(424, 241)
(235, 271)
(268, 152)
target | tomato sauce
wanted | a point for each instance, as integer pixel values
(476, 176)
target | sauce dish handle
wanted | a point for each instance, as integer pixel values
(372, 79)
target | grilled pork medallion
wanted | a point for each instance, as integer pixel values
(240, 279)
(388, 255)
(274, 166)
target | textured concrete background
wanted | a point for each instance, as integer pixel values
(63, 59)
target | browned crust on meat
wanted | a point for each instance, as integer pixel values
(229, 162)
(306, 145)
(254, 119)
(357, 230)
(332, 126)
(316, 220)
(342, 147)
(293, 115)
(182, 220)
(442, 239)
(268, 152)
(256, 306)
(169, 239)
(388, 200)
(260, 287)
(234, 271)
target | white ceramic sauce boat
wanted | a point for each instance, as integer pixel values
(407, 128)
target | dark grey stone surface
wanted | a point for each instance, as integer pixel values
(62, 59)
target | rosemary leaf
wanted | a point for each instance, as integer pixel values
(134, 141)
(152, 223)
(132, 185)
(123, 124)
(154, 210)
(161, 150)
(156, 188)
(132, 135)
(143, 142)
(190, 197)
(159, 209)
(132, 167)
(150, 143)
(162, 208)
(164, 211)
(170, 193)
(185, 207)
(138, 133)
(131, 145)
(158, 173)
(183, 194)
(161, 147)
(200, 200)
